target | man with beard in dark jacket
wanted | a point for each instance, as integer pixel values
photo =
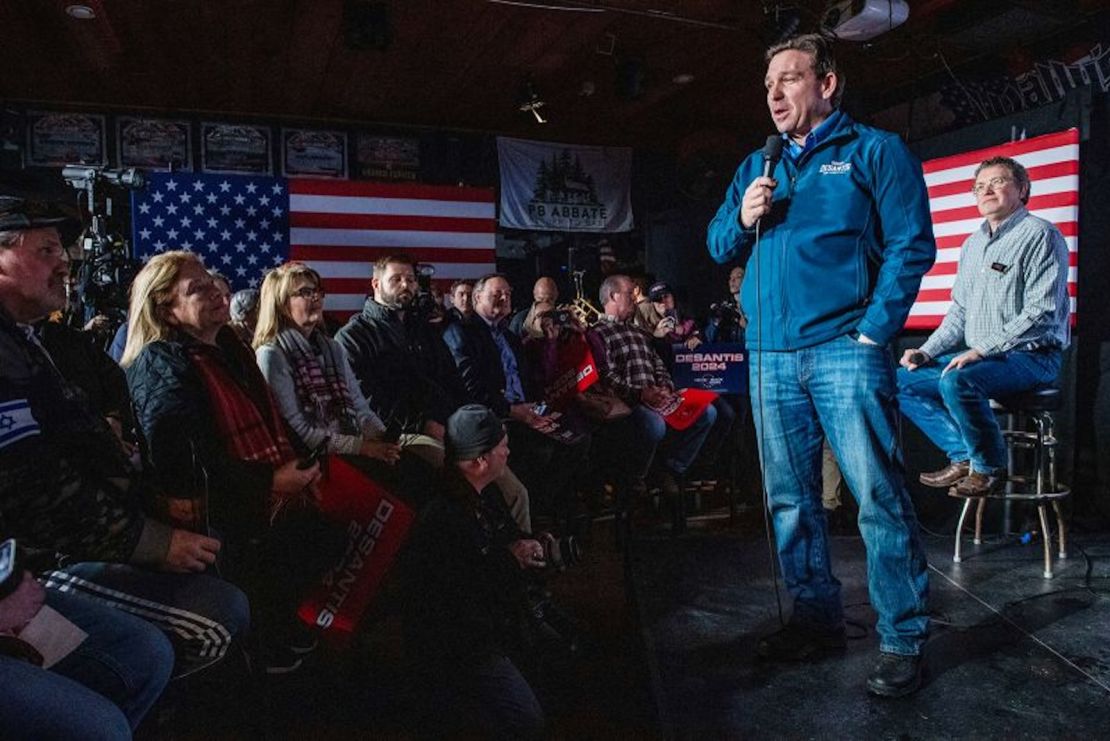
(402, 365)
(406, 372)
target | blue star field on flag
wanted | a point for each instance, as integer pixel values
(239, 224)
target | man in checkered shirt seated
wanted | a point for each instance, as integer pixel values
(630, 368)
(1004, 333)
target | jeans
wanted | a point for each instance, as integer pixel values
(680, 448)
(100, 691)
(201, 614)
(843, 390)
(954, 411)
(720, 434)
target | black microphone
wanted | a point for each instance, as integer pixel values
(918, 358)
(772, 153)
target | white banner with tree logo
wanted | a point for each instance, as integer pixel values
(564, 188)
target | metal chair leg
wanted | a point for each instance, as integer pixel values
(1061, 530)
(960, 530)
(979, 520)
(1046, 533)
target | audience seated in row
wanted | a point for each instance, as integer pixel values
(494, 371)
(217, 446)
(225, 499)
(68, 490)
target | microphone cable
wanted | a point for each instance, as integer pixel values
(772, 153)
(766, 498)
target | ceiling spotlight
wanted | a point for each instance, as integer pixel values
(534, 109)
(80, 12)
(530, 101)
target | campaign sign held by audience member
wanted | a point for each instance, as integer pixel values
(684, 407)
(377, 524)
(714, 366)
(575, 372)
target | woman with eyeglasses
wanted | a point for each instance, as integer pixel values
(218, 448)
(308, 371)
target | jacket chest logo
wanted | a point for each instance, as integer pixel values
(836, 168)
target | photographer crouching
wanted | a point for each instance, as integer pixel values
(468, 576)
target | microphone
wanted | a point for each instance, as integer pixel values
(772, 153)
(917, 357)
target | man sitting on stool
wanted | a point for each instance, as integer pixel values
(1003, 334)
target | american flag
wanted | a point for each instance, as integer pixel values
(342, 227)
(239, 225)
(1053, 164)
(245, 225)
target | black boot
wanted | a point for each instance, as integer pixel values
(894, 675)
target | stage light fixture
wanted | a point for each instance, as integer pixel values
(531, 102)
(80, 12)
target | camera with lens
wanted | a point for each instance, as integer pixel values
(104, 272)
(562, 552)
(425, 306)
(724, 310)
(559, 317)
(104, 275)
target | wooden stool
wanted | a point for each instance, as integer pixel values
(1036, 482)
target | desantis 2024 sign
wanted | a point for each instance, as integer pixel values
(718, 366)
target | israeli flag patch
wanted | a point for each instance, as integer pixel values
(16, 422)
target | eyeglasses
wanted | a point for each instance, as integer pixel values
(309, 293)
(992, 184)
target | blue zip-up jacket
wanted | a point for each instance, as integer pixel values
(844, 247)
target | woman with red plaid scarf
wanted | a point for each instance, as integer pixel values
(218, 447)
(316, 390)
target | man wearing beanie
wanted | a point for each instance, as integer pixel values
(467, 563)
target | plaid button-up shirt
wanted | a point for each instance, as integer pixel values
(1011, 290)
(625, 359)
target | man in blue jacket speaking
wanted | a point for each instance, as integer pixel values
(836, 241)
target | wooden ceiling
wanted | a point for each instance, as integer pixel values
(609, 71)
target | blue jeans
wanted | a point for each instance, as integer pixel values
(100, 691)
(954, 411)
(842, 390)
(201, 614)
(680, 446)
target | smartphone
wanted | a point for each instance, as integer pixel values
(392, 433)
(316, 455)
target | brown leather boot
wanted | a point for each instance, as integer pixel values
(946, 476)
(979, 485)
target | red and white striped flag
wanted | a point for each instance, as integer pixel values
(1053, 164)
(341, 227)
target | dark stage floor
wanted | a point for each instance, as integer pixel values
(1011, 655)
